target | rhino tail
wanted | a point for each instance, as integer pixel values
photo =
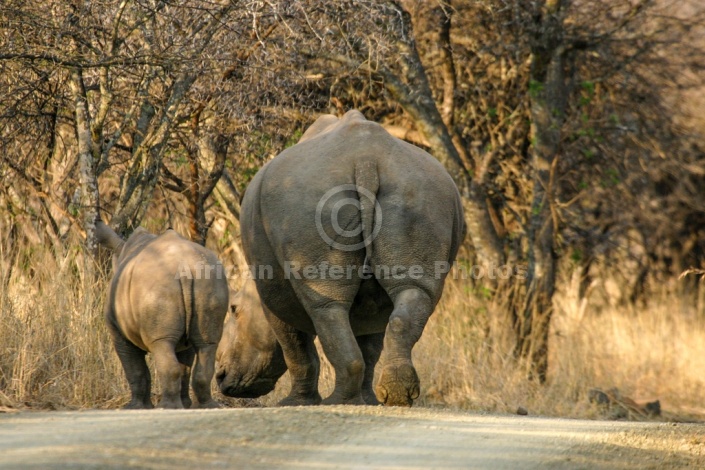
(107, 236)
(367, 182)
(188, 284)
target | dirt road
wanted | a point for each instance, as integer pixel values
(338, 437)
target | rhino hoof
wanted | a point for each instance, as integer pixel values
(171, 405)
(301, 400)
(207, 405)
(398, 385)
(370, 398)
(138, 405)
(333, 400)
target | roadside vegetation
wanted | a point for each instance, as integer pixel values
(56, 357)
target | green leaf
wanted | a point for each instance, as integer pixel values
(294, 138)
(535, 87)
(576, 256)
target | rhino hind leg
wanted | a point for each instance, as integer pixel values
(170, 372)
(371, 347)
(202, 375)
(185, 358)
(332, 324)
(398, 383)
(134, 364)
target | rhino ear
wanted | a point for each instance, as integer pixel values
(107, 236)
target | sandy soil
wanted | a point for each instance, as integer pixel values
(338, 437)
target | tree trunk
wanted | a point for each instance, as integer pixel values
(89, 186)
(415, 96)
(138, 186)
(443, 14)
(212, 150)
(548, 93)
(229, 199)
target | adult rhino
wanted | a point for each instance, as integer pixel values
(347, 200)
(168, 297)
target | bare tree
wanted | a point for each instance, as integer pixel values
(130, 67)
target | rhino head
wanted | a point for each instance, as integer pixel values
(249, 360)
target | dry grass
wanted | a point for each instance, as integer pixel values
(658, 352)
(55, 351)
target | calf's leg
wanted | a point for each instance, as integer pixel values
(133, 363)
(185, 358)
(170, 372)
(202, 375)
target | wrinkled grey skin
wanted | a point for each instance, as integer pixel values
(163, 301)
(420, 224)
(260, 361)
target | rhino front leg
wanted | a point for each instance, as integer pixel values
(202, 375)
(133, 363)
(332, 325)
(185, 358)
(170, 372)
(301, 360)
(371, 347)
(398, 384)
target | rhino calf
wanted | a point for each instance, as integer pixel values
(165, 298)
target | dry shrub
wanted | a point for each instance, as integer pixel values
(465, 357)
(56, 352)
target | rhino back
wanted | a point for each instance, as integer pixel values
(301, 175)
(163, 292)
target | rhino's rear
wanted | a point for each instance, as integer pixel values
(173, 287)
(358, 199)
